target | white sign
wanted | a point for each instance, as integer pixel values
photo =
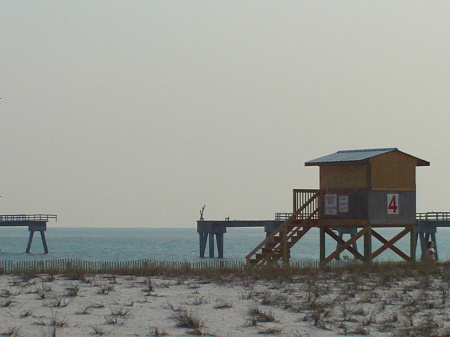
(343, 204)
(393, 204)
(330, 204)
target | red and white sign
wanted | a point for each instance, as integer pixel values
(330, 204)
(393, 204)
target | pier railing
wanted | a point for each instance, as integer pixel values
(429, 216)
(282, 216)
(27, 217)
(433, 216)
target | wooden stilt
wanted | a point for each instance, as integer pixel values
(412, 243)
(322, 244)
(211, 244)
(44, 242)
(368, 245)
(30, 239)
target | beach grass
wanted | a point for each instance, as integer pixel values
(385, 299)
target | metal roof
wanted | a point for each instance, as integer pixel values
(349, 156)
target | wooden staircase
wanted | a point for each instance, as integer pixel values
(278, 244)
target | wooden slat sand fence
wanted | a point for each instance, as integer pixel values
(56, 265)
(316, 264)
(61, 265)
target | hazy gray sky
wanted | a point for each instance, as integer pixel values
(137, 113)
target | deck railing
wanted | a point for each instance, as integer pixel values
(282, 216)
(285, 233)
(434, 216)
(300, 197)
(27, 217)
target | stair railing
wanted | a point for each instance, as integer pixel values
(294, 215)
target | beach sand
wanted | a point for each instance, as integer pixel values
(154, 306)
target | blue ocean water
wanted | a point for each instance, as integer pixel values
(172, 244)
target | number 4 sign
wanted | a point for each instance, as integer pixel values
(392, 204)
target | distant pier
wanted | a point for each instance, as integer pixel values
(34, 222)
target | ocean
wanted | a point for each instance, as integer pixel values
(173, 244)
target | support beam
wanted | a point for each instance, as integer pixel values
(211, 244)
(30, 239)
(322, 245)
(368, 245)
(349, 245)
(219, 239)
(344, 245)
(203, 237)
(392, 247)
(44, 242)
(390, 243)
(412, 243)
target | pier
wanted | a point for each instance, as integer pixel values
(214, 230)
(427, 225)
(34, 222)
(208, 229)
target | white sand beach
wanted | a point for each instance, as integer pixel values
(313, 305)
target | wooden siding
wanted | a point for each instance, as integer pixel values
(405, 214)
(393, 171)
(358, 201)
(348, 176)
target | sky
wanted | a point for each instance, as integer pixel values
(138, 113)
